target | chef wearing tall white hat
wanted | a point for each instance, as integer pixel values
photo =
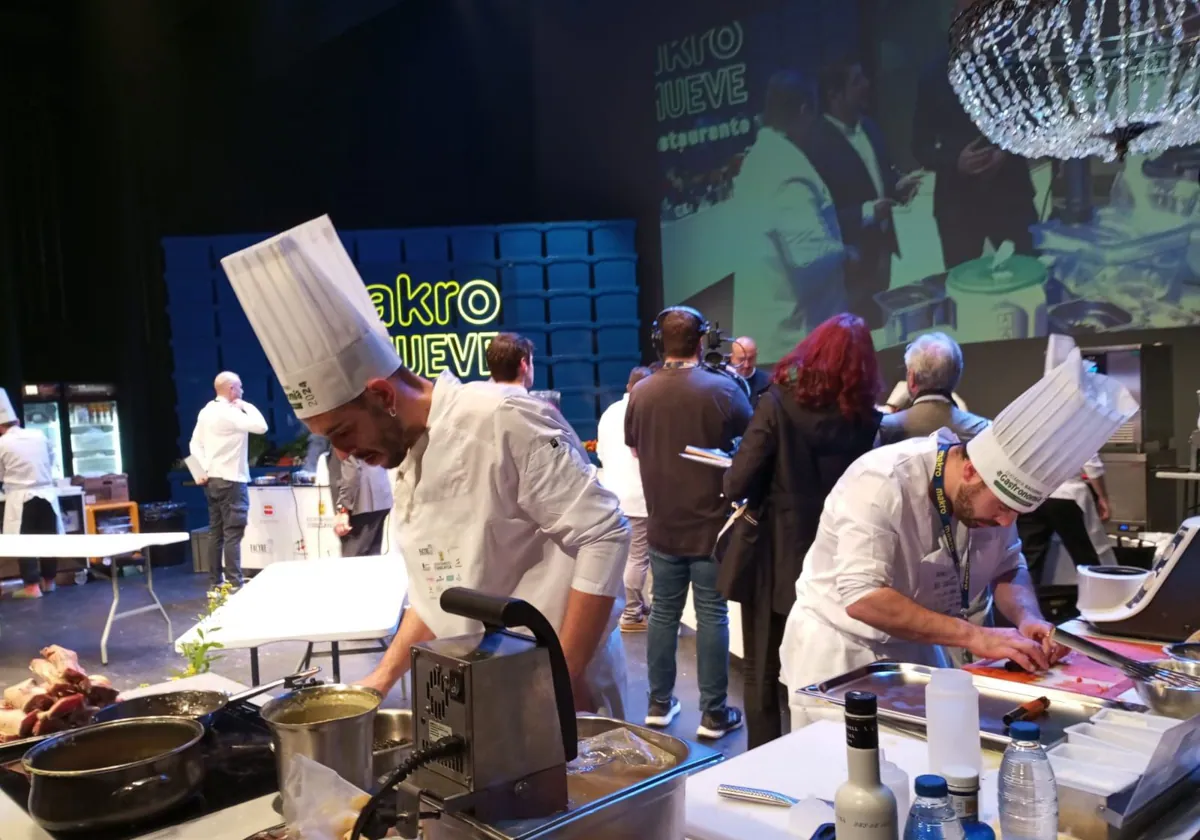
(30, 498)
(915, 533)
(490, 491)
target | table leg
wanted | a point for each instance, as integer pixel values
(114, 572)
(337, 662)
(253, 666)
(158, 603)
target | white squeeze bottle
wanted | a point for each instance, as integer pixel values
(952, 721)
(864, 807)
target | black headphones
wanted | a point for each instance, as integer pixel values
(710, 337)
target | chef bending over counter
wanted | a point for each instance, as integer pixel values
(916, 538)
(492, 491)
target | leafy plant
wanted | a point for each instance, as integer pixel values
(202, 653)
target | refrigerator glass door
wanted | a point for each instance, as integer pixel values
(95, 438)
(43, 417)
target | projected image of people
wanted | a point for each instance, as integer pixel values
(818, 161)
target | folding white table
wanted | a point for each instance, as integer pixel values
(97, 545)
(340, 599)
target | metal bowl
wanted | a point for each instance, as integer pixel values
(1087, 316)
(1182, 703)
(393, 739)
(1183, 651)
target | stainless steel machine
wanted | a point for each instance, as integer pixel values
(494, 728)
(1145, 443)
(1157, 604)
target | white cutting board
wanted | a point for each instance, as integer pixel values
(810, 762)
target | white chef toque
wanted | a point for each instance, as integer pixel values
(7, 414)
(313, 316)
(1044, 437)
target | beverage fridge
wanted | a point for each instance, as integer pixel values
(83, 423)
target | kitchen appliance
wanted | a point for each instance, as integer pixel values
(1160, 603)
(115, 773)
(494, 728)
(1144, 443)
(334, 725)
(94, 429)
(239, 767)
(40, 410)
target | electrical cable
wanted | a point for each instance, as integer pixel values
(442, 748)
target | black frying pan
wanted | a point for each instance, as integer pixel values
(197, 705)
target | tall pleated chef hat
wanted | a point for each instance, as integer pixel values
(313, 316)
(7, 414)
(1043, 437)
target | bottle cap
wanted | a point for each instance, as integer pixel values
(1024, 730)
(860, 703)
(961, 777)
(931, 786)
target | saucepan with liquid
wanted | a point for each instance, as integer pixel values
(333, 725)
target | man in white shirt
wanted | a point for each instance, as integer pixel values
(622, 476)
(221, 446)
(30, 499)
(491, 492)
(791, 278)
(848, 150)
(510, 360)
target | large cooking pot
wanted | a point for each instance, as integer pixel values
(333, 725)
(114, 774)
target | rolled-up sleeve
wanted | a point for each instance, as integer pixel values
(867, 548)
(558, 492)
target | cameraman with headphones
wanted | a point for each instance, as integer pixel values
(688, 402)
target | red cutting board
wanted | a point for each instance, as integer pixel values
(1076, 673)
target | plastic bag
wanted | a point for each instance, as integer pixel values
(318, 804)
(611, 761)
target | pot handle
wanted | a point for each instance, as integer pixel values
(141, 785)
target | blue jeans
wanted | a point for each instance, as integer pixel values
(672, 575)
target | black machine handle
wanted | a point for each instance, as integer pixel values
(498, 613)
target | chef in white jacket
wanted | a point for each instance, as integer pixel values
(30, 498)
(914, 534)
(491, 493)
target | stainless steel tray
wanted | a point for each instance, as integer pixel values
(900, 689)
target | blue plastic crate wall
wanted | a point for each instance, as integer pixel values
(571, 287)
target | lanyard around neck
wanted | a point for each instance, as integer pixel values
(961, 569)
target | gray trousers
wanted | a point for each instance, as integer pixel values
(366, 534)
(637, 572)
(228, 508)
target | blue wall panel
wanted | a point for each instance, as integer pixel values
(569, 287)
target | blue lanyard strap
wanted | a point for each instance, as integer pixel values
(963, 570)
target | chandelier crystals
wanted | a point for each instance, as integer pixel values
(1074, 78)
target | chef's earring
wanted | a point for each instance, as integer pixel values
(392, 412)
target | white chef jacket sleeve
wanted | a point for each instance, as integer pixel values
(868, 545)
(1008, 542)
(196, 444)
(557, 490)
(1093, 468)
(243, 417)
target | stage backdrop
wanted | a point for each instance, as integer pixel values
(443, 293)
(772, 223)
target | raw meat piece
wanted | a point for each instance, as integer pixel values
(30, 723)
(66, 661)
(47, 725)
(62, 715)
(10, 722)
(102, 695)
(44, 670)
(28, 696)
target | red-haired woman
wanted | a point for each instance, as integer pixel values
(817, 417)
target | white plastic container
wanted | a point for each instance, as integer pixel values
(952, 721)
(1109, 759)
(1121, 737)
(897, 781)
(1138, 761)
(1135, 720)
(1097, 779)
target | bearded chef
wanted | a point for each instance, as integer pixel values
(30, 498)
(490, 493)
(914, 535)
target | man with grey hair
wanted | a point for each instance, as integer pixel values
(934, 364)
(221, 446)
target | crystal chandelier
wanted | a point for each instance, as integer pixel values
(1074, 78)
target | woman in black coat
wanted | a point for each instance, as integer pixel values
(817, 417)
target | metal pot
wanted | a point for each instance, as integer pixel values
(333, 725)
(114, 774)
(393, 739)
(1163, 699)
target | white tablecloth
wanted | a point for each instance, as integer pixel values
(326, 600)
(82, 545)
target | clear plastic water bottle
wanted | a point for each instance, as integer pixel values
(1028, 793)
(932, 816)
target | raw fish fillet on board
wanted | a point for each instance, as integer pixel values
(1076, 673)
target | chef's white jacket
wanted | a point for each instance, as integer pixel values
(1078, 491)
(26, 461)
(622, 474)
(220, 441)
(879, 528)
(497, 496)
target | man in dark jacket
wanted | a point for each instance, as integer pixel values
(848, 151)
(982, 192)
(934, 365)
